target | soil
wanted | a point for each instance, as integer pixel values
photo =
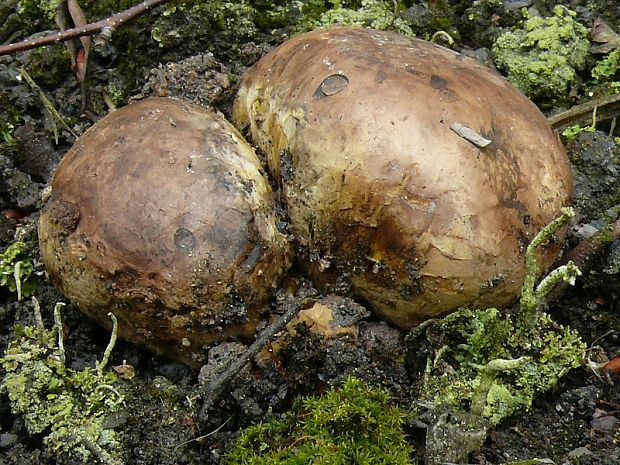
(577, 422)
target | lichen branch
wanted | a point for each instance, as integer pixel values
(37, 313)
(567, 273)
(488, 374)
(17, 274)
(531, 296)
(58, 328)
(100, 366)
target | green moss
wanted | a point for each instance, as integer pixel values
(377, 14)
(49, 66)
(10, 119)
(16, 269)
(607, 67)
(68, 406)
(355, 424)
(543, 57)
(32, 9)
(98, 9)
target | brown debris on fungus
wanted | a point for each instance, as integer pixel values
(356, 126)
(161, 214)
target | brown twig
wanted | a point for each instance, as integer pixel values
(112, 22)
(606, 108)
(585, 252)
(214, 389)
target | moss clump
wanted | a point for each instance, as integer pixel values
(49, 66)
(68, 406)
(355, 424)
(16, 269)
(542, 59)
(605, 72)
(377, 14)
(606, 68)
(31, 11)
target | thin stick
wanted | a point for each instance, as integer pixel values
(585, 252)
(111, 22)
(204, 436)
(47, 104)
(607, 108)
(214, 389)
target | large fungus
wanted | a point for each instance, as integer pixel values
(413, 176)
(160, 213)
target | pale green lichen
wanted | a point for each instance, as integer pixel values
(16, 269)
(492, 364)
(355, 423)
(68, 406)
(492, 369)
(543, 57)
(532, 295)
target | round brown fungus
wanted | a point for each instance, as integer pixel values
(412, 175)
(161, 214)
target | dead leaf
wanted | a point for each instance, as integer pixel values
(79, 20)
(125, 371)
(613, 366)
(319, 319)
(63, 22)
(603, 34)
(69, 15)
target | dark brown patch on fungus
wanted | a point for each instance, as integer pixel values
(172, 228)
(379, 185)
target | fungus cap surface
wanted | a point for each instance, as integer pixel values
(161, 214)
(386, 196)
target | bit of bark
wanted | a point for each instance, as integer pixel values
(112, 22)
(470, 135)
(585, 252)
(607, 108)
(613, 365)
(605, 36)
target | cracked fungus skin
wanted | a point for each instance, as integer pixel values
(160, 213)
(384, 198)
